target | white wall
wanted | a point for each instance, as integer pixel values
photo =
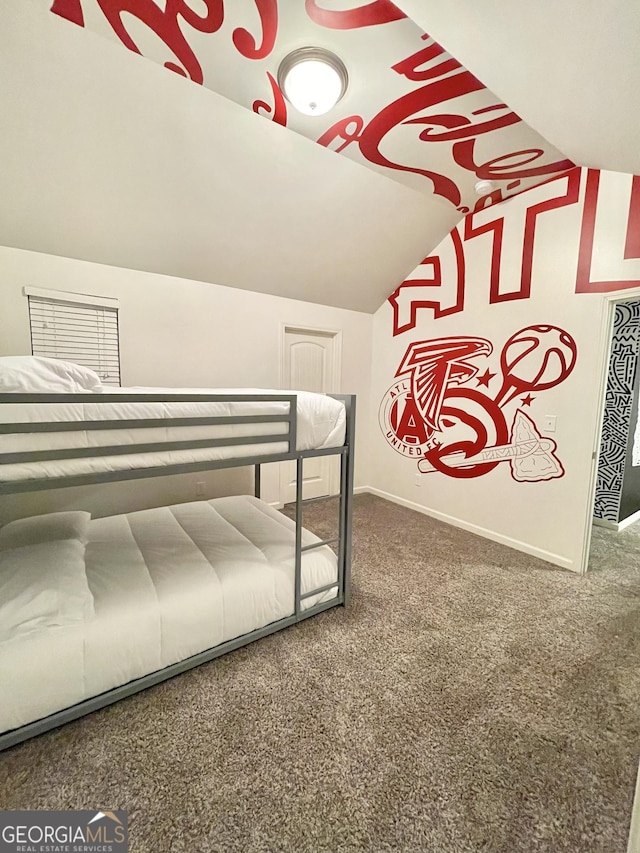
(182, 333)
(545, 518)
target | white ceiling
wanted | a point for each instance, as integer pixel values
(433, 127)
(570, 69)
(109, 157)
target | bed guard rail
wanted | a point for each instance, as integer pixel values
(288, 417)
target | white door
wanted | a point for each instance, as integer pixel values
(310, 363)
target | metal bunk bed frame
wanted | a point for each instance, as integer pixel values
(345, 451)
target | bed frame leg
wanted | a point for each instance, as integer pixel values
(347, 516)
(346, 498)
(298, 564)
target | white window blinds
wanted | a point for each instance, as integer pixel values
(78, 328)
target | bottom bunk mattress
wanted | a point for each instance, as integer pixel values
(89, 605)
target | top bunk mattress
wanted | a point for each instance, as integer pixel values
(321, 422)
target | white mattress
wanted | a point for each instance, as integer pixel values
(166, 584)
(320, 424)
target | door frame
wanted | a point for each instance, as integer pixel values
(335, 378)
(606, 335)
(298, 328)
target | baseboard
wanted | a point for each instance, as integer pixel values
(634, 829)
(628, 521)
(608, 525)
(618, 525)
(532, 550)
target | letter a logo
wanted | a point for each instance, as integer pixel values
(410, 428)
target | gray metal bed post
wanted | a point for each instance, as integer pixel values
(348, 463)
(293, 447)
(298, 564)
(346, 496)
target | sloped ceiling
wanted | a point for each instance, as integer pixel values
(569, 69)
(186, 160)
(411, 111)
(110, 158)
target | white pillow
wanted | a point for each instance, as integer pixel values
(43, 586)
(32, 374)
(72, 524)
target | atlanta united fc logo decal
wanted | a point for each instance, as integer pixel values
(441, 412)
(400, 420)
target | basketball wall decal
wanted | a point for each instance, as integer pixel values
(534, 359)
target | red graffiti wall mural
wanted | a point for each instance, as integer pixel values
(453, 419)
(425, 107)
(462, 408)
(624, 234)
(608, 257)
(490, 358)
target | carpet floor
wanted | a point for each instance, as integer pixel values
(471, 699)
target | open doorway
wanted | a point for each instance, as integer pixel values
(615, 496)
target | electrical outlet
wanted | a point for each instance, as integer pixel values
(549, 423)
(199, 489)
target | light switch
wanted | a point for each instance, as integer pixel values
(549, 423)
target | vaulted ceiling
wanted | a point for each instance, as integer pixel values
(569, 69)
(411, 111)
(151, 134)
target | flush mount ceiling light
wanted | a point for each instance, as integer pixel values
(485, 187)
(312, 79)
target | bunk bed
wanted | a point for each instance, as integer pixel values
(94, 610)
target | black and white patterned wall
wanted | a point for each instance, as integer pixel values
(617, 414)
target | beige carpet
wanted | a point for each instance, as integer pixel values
(471, 699)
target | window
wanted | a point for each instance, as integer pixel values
(76, 327)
